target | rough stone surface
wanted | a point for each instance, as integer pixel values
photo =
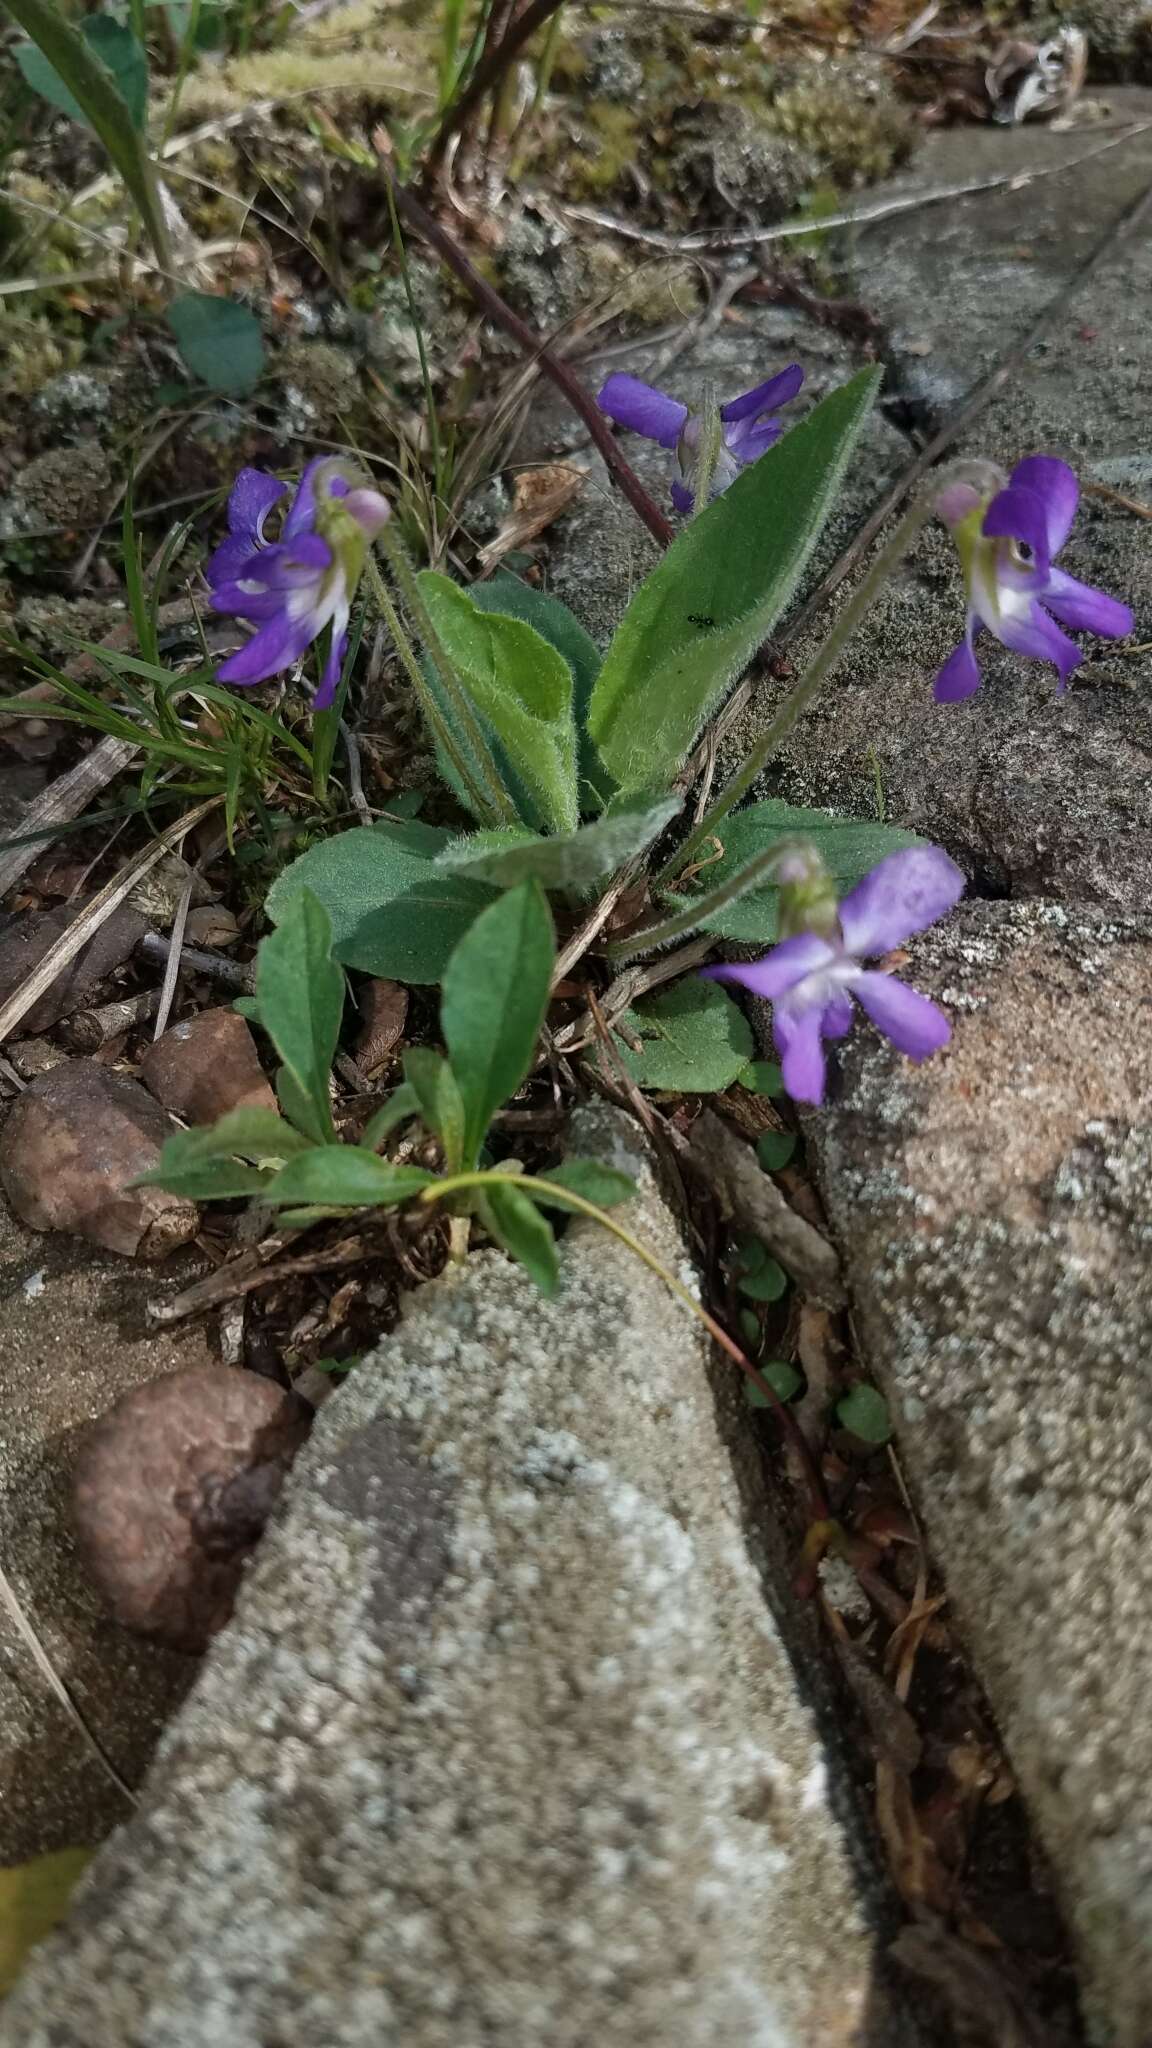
(205, 1066)
(74, 1339)
(502, 1744)
(71, 1152)
(995, 1208)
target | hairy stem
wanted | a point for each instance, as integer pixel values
(437, 723)
(496, 797)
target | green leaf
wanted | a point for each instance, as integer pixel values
(864, 1411)
(762, 1077)
(717, 593)
(412, 938)
(348, 1177)
(219, 339)
(115, 46)
(402, 1105)
(300, 991)
(205, 1164)
(354, 872)
(517, 1225)
(33, 1897)
(434, 1085)
(605, 1186)
(849, 847)
(514, 598)
(775, 1149)
(493, 1005)
(696, 1040)
(783, 1378)
(87, 78)
(573, 860)
(757, 1273)
(522, 690)
(391, 913)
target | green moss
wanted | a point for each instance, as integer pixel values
(857, 138)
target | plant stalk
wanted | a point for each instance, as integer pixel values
(497, 798)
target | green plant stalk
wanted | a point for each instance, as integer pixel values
(548, 56)
(414, 316)
(824, 663)
(707, 453)
(688, 919)
(458, 1182)
(497, 797)
(415, 675)
(92, 85)
(187, 52)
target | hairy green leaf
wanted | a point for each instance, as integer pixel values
(412, 938)
(346, 1177)
(774, 1149)
(356, 872)
(758, 1275)
(402, 1105)
(717, 593)
(434, 1085)
(514, 598)
(300, 990)
(864, 1411)
(205, 1164)
(517, 1225)
(573, 860)
(115, 46)
(694, 1039)
(87, 78)
(219, 339)
(783, 1378)
(494, 1000)
(522, 690)
(849, 847)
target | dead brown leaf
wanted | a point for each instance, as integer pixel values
(539, 497)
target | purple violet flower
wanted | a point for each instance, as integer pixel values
(748, 423)
(1007, 541)
(293, 587)
(811, 977)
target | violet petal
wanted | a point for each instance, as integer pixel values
(915, 1026)
(642, 409)
(275, 647)
(250, 500)
(778, 971)
(682, 498)
(337, 648)
(960, 675)
(797, 1036)
(904, 894)
(1056, 486)
(227, 563)
(765, 397)
(1019, 515)
(1040, 638)
(1087, 610)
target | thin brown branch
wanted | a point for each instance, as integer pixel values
(489, 300)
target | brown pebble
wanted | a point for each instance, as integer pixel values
(205, 1066)
(72, 1145)
(173, 1487)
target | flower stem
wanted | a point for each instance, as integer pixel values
(437, 723)
(707, 453)
(824, 663)
(496, 798)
